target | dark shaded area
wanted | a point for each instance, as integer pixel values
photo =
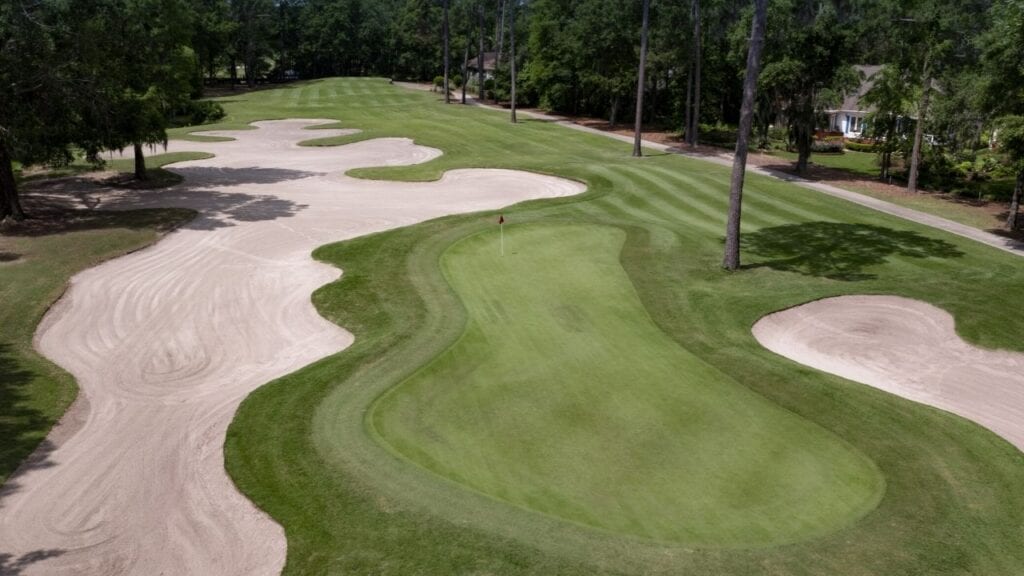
(9, 256)
(11, 566)
(21, 426)
(838, 251)
(53, 206)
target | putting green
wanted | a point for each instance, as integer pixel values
(562, 396)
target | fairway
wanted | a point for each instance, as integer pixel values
(564, 397)
(451, 439)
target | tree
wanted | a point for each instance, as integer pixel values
(890, 95)
(693, 79)
(447, 51)
(809, 65)
(640, 85)
(512, 56)
(150, 73)
(480, 55)
(255, 19)
(1003, 89)
(739, 166)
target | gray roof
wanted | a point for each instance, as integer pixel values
(852, 101)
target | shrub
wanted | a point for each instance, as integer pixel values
(827, 146)
(438, 82)
(457, 80)
(198, 112)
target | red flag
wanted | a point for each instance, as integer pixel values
(501, 219)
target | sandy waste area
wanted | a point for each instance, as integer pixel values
(905, 347)
(166, 342)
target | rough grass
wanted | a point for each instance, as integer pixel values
(302, 446)
(860, 163)
(36, 260)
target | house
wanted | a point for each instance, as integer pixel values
(850, 117)
(490, 64)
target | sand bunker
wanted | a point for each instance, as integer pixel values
(905, 347)
(165, 344)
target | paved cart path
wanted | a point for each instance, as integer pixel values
(166, 342)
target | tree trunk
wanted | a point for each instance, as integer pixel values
(500, 32)
(465, 67)
(689, 101)
(915, 157)
(480, 58)
(140, 162)
(694, 128)
(234, 72)
(1012, 221)
(447, 55)
(512, 57)
(638, 130)
(615, 111)
(739, 165)
(10, 205)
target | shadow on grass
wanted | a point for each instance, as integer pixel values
(56, 206)
(9, 256)
(22, 427)
(838, 251)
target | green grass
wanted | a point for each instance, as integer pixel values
(158, 177)
(860, 163)
(34, 269)
(621, 429)
(303, 447)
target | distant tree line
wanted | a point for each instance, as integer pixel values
(109, 73)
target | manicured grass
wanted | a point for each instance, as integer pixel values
(158, 177)
(621, 429)
(35, 266)
(860, 163)
(303, 447)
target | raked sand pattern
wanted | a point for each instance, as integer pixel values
(166, 342)
(906, 347)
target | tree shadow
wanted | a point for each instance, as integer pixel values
(55, 206)
(23, 428)
(11, 566)
(838, 251)
(9, 256)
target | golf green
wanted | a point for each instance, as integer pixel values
(563, 396)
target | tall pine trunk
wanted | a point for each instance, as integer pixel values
(1013, 220)
(447, 55)
(140, 162)
(731, 260)
(638, 129)
(500, 32)
(480, 58)
(10, 205)
(689, 101)
(512, 57)
(465, 67)
(915, 157)
(694, 127)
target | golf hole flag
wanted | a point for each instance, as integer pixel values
(501, 226)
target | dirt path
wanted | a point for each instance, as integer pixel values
(165, 343)
(905, 347)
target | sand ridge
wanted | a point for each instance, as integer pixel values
(905, 347)
(166, 342)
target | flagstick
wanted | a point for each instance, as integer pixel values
(502, 227)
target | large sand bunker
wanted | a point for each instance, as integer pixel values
(905, 347)
(165, 344)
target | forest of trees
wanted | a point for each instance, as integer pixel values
(88, 75)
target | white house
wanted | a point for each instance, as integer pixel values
(849, 118)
